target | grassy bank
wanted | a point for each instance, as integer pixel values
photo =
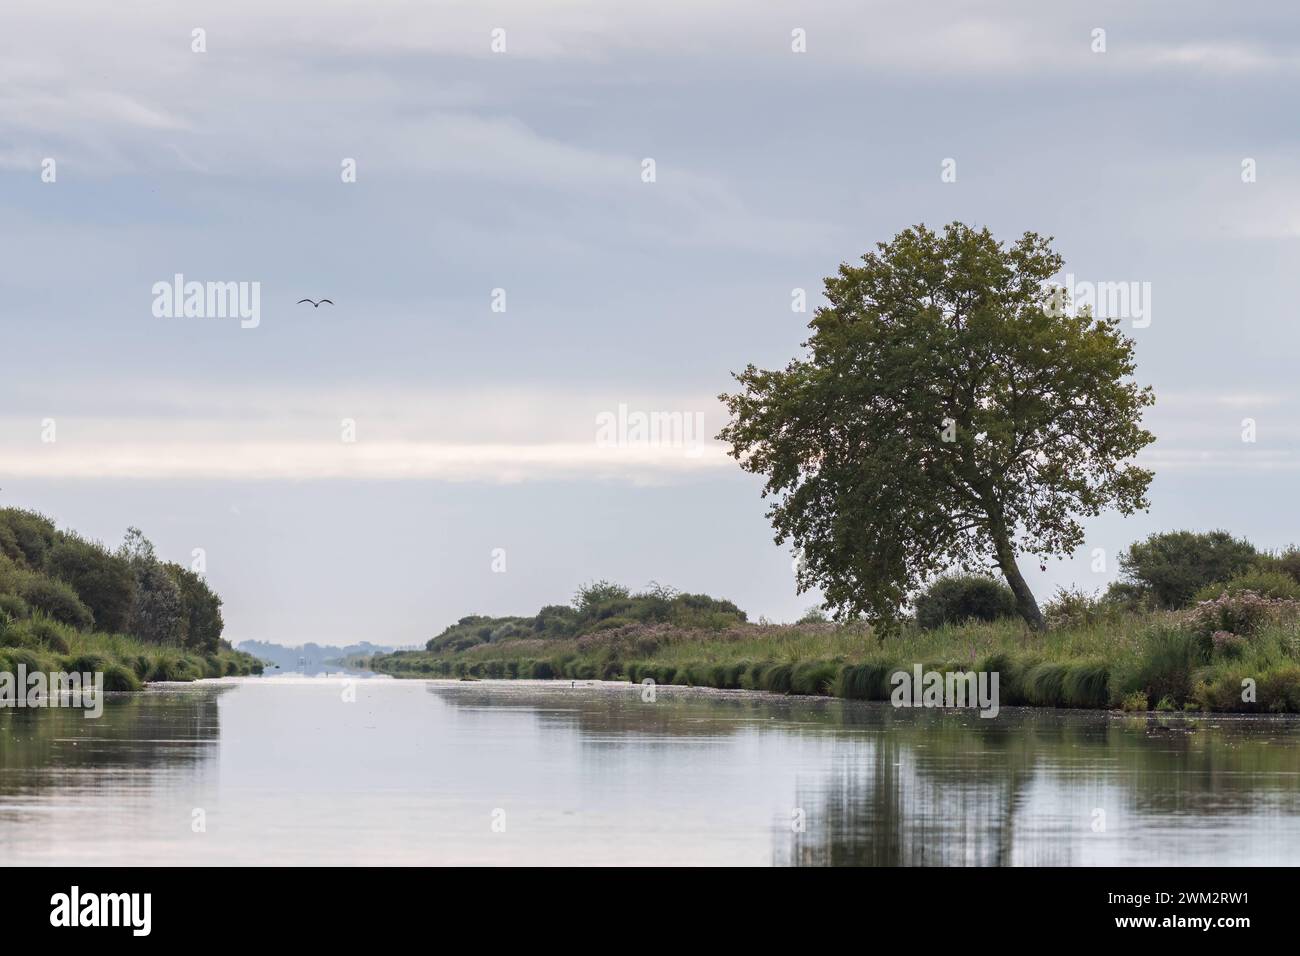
(126, 662)
(1129, 661)
(69, 604)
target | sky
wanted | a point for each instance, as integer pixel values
(505, 274)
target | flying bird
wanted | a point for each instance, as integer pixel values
(314, 305)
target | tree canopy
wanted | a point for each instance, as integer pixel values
(948, 413)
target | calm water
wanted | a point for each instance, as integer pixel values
(416, 772)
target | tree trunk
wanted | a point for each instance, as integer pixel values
(1025, 603)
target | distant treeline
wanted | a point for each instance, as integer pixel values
(310, 654)
(600, 606)
(52, 575)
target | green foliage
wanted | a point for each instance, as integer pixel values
(600, 597)
(1164, 667)
(104, 581)
(201, 610)
(56, 599)
(55, 585)
(1243, 613)
(14, 607)
(954, 599)
(1267, 584)
(119, 678)
(40, 632)
(1074, 608)
(597, 607)
(947, 415)
(158, 611)
(1173, 565)
(26, 536)
(1127, 596)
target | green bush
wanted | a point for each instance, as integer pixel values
(953, 599)
(1280, 562)
(119, 678)
(1086, 684)
(1267, 584)
(814, 678)
(58, 600)
(1043, 684)
(1074, 608)
(1279, 689)
(864, 681)
(25, 536)
(1174, 565)
(50, 633)
(103, 581)
(14, 607)
(1164, 667)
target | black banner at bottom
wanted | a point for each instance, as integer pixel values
(334, 904)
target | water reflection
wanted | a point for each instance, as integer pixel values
(301, 770)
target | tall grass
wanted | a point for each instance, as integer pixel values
(1138, 661)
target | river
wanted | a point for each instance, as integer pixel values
(331, 770)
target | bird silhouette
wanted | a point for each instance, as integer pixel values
(314, 305)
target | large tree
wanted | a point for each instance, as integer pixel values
(951, 411)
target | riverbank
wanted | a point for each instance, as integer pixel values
(126, 663)
(69, 604)
(1134, 662)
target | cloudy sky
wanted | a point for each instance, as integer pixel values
(522, 170)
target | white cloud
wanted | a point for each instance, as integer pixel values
(500, 435)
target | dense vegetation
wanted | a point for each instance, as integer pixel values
(1225, 646)
(67, 603)
(601, 606)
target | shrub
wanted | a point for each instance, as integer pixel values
(167, 667)
(816, 678)
(58, 600)
(49, 633)
(26, 536)
(1228, 645)
(953, 599)
(1268, 584)
(85, 662)
(778, 678)
(1288, 562)
(1135, 702)
(1043, 684)
(1086, 684)
(1279, 689)
(1174, 565)
(38, 634)
(864, 682)
(1243, 613)
(1074, 608)
(1165, 666)
(117, 677)
(14, 607)
(1127, 596)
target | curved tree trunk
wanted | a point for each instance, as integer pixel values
(1025, 602)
